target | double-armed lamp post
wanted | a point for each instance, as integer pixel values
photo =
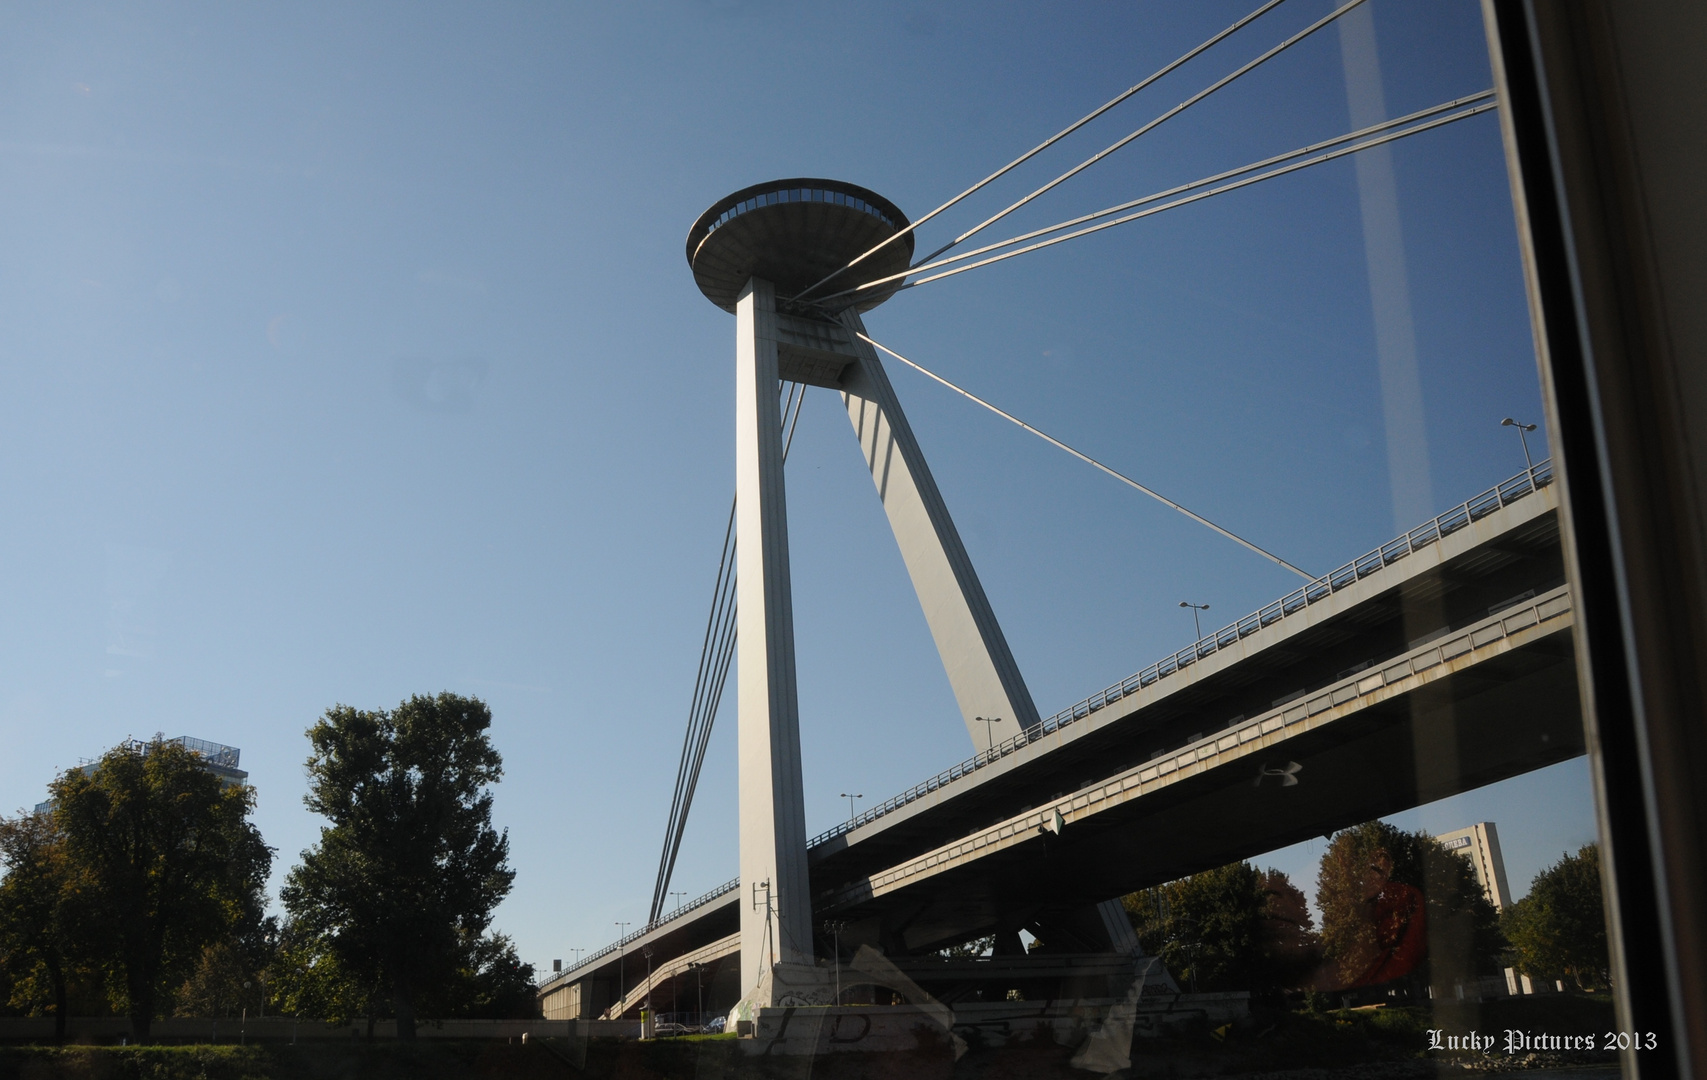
(1196, 623)
(1523, 434)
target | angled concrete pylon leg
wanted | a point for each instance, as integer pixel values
(776, 910)
(981, 669)
(986, 681)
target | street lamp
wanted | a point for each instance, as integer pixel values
(850, 798)
(699, 995)
(621, 969)
(1522, 433)
(1195, 622)
(835, 926)
(989, 723)
(678, 902)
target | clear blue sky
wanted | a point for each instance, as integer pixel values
(348, 351)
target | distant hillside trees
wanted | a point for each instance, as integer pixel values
(1558, 931)
(391, 907)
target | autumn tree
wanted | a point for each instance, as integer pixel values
(1232, 928)
(1558, 931)
(37, 948)
(409, 869)
(232, 975)
(1398, 904)
(1291, 947)
(161, 862)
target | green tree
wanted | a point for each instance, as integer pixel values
(491, 982)
(1459, 934)
(1559, 930)
(409, 869)
(307, 979)
(1232, 928)
(36, 945)
(162, 862)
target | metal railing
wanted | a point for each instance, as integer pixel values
(1474, 509)
(1519, 486)
(788, 195)
(636, 935)
(218, 753)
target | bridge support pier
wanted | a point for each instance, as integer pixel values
(776, 910)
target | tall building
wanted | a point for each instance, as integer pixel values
(221, 760)
(217, 758)
(1480, 843)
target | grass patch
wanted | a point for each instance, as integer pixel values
(424, 1060)
(1394, 1037)
(1393, 1040)
(134, 1063)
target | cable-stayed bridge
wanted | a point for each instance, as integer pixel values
(1436, 663)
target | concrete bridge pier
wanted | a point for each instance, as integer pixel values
(775, 906)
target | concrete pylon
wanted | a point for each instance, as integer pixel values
(981, 669)
(776, 910)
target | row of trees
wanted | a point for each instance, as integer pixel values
(141, 888)
(1397, 908)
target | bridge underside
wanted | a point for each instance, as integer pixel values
(1486, 721)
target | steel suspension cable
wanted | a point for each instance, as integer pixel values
(716, 653)
(1201, 195)
(1152, 125)
(1290, 155)
(1122, 477)
(1047, 143)
(714, 632)
(724, 653)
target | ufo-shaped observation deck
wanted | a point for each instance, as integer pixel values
(793, 233)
